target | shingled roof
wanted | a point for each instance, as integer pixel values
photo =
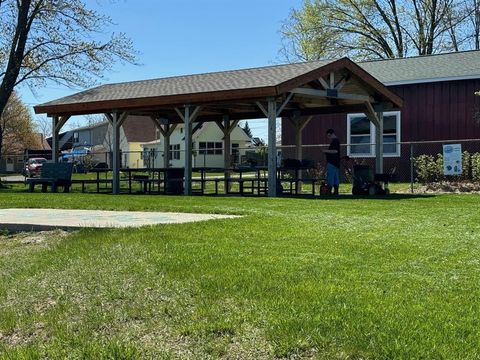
(236, 85)
(421, 69)
(198, 83)
(260, 81)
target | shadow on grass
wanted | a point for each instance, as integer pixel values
(390, 197)
(395, 196)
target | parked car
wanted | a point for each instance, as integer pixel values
(34, 166)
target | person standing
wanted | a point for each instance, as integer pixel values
(333, 162)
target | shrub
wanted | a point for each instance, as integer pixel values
(475, 166)
(466, 166)
(429, 168)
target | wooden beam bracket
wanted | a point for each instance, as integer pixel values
(371, 114)
(279, 109)
(339, 85)
(192, 116)
(60, 122)
(287, 100)
(323, 83)
(262, 108)
(331, 93)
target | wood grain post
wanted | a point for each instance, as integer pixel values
(188, 150)
(55, 142)
(379, 144)
(272, 147)
(116, 154)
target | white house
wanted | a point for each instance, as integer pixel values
(208, 147)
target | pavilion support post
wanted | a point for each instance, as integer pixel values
(57, 124)
(298, 144)
(188, 116)
(188, 151)
(226, 152)
(299, 124)
(166, 129)
(116, 154)
(116, 120)
(375, 115)
(55, 141)
(227, 126)
(166, 151)
(299, 156)
(379, 144)
(272, 112)
(272, 147)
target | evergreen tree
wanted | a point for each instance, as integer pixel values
(247, 130)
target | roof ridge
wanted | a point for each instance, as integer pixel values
(418, 56)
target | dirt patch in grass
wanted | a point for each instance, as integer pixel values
(451, 187)
(13, 242)
(21, 337)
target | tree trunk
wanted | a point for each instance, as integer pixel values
(1, 148)
(1, 140)
(17, 52)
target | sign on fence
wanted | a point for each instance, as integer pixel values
(452, 159)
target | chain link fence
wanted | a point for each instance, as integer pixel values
(412, 166)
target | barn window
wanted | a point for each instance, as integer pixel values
(361, 135)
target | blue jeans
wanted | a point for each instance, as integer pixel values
(333, 175)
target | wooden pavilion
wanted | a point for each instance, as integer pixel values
(294, 91)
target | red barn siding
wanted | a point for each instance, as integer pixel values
(431, 111)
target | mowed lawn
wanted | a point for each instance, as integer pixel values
(327, 279)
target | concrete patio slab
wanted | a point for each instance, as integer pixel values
(47, 219)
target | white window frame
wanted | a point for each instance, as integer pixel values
(372, 142)
(215, 148)
(398, 138)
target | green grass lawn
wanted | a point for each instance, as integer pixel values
(349, 278)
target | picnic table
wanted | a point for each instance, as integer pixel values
(251, 180)
(53, 174)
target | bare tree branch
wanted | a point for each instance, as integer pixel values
(52, 40)
(372, 29)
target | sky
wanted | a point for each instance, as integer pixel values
(179, 37)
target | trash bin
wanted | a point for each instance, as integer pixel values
(174, 181)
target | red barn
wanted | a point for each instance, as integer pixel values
(439, 104)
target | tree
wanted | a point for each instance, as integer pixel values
(55, 40)
(17, 127)
(379, 29)
(247, 130)
(44, 126)
(307, 36)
